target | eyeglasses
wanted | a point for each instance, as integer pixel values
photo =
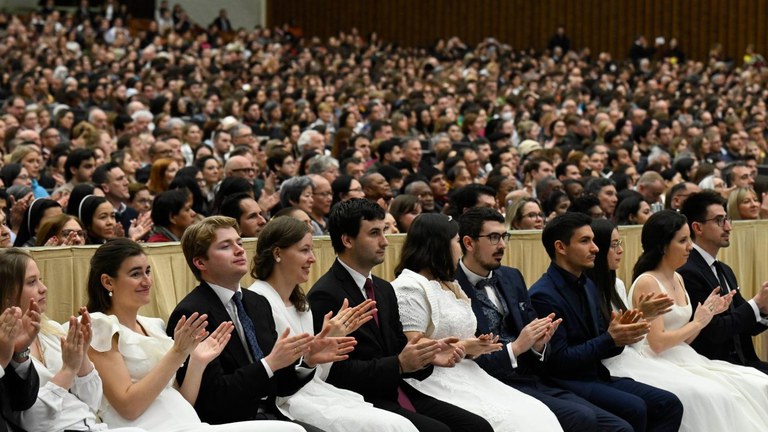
(67, 232)
(245, 170)
(534, 215)
(494, 238)
(616, 244)
(323, 194)
(720, 220)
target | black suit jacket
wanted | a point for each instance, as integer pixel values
(514, 294)
(232, 388)
(372, 369)
(716, 340)
(16, 394)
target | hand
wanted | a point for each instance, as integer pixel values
(324, 349)
(725, 302)
(628, 328)
(53, 241)
(72, 347)
(288, 349)
(214, 344)
(18, 209)
(189, 332)
(653, 305)
(530, 334)
(348, 320)
(30, 327)
(451, 352)
(268, 201)
(483, 344)
(761, 298)
(87, 332)
(140, 226)
(547, 336)
(417, 354)
(10, 323)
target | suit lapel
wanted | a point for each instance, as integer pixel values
(560, 285)
(217, 314)
(507, 289)
(476, 302)
(355, 297)
(706, 270)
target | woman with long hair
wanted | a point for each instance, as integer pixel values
(664, 359)
(433, 306)
(282, 261)
(61, 230)
(40, 211)
(135, 357)
(743, 204)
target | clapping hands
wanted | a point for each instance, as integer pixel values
(348, 320)
(654, 304)
(213, 345)
(189, 332)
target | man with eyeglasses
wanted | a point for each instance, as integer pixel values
(728, 336)
(502, 306)
(321, 203)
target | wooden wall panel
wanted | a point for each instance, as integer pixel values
(601, 25)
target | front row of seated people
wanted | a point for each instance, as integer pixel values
(455, 343)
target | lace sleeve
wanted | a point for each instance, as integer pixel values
(415, 311)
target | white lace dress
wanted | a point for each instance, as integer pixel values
(428, 308)
(716, 396)
(317, 402)
(169, 412)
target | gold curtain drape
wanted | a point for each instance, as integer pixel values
(65, 270)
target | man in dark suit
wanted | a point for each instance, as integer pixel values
(501, 304)
(729, 335)
(256, 365)
(383, 356)
(582, 340)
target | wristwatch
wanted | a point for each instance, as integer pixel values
(21, 357)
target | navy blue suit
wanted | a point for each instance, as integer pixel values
(573, 412)
(579, 345)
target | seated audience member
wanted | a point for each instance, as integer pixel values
(40, 211)
(467, 197)
(345, 188)
(584, 338)
(743, 204)
(295, 213)
(171, 214)
(404, 209)
(139, 198)
(525, 214)
(322, 197)
(716, 184)
(390, 225)
(62, 230)
(162, 174)
(137, 360)
(13, 174)
(556, 205)
(230, 186)
(5, 232)
(376, 189)
(78, 193)
(19, 380)
(246, 211)
(256, 364)
(588, 205)
(297, 192)
(605, 191)
(677, 194)
(433, 307)
(98, 216)
(192, 185)
(633, 210)
(279, 266)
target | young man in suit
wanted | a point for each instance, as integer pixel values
(501, 304)
(729, 336)
(383, 356)
(583, 339)
(256, 365)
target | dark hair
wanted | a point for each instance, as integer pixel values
(428, 246)
(230, 186)
(601, 274)
(561, 228)
(185, 179)
(596, 184)
(466, 198)
(107, 260)
(87, 208)
(340, 187)
(52, 227)
(657, 233)
(628, 206)
(345, 219)
(583, 204)
(74, 159)
(168, 204)
(31, 220)
(9, 173)
(281, 232)
(471, 222)
(79, 192)
(695, 208)
(101, 173)
(401, 205)
(550, 205)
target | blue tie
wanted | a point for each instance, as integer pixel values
(248, 329)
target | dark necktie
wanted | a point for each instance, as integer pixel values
(402, 398)
(248, 328)
(724, 290)
(488, 282)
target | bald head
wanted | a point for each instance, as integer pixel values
(240, 166)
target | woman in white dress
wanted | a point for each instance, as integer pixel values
(664, 359)
(433, 306)
(138, 361)
(282, 261)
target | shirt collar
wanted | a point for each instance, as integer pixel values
(224, 294)
(709, 259)
(472, 277)
(358, 277)
(570, 278)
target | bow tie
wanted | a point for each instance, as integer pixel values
(491, 281)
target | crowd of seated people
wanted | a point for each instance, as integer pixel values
(175, 131)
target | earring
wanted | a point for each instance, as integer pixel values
(110, 293)
(277, 259)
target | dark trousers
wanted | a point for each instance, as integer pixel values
(433, 415)
(644, 407)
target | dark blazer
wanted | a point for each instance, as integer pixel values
(716, 340)
(372, 369)
(232, 389)
(580, 343)
(514, 294)
(16, 394)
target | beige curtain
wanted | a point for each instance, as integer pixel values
(65, 270)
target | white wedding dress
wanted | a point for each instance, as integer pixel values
(318, 403)
(169, 412)
(428, 308)
(716, 395)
